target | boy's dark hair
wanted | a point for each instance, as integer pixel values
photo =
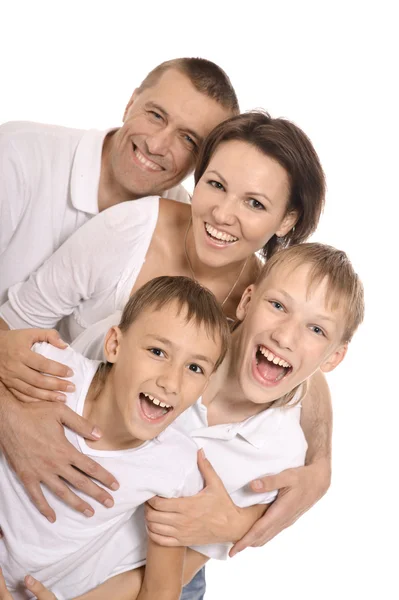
(195, 302)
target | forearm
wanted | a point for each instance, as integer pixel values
(3, 325)
(316, 420)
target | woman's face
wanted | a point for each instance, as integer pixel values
(239, 203)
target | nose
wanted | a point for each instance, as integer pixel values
(159, 142)
(170, 379)
(286, 334)
(225, 212)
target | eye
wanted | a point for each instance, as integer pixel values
(276, 305)
(187, 138)
(216, 184)
(317, 330)
(156, 116)
(255, 204)
(196, 368)
(157, 352)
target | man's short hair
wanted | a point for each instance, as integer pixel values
(206, 76)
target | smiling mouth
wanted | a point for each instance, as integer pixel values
(219, 237)
(146, 162)
(153, 409)
(271, 367)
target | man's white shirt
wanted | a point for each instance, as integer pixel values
(49, 178)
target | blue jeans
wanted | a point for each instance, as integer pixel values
(195, 590)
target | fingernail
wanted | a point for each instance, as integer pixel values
(109, 503)
(70, 387)
(29, 580)
(96, 432)
(88, 513)
(202, 453)
(69, 373)
(60, 397)
(115, 486)
(257, 484)
(51, 519)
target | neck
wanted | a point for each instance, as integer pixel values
(102, 409)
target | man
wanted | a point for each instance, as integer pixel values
(52, 180)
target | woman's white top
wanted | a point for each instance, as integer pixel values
(90, 276)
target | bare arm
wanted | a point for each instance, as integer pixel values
(45, 456)
(300, 488)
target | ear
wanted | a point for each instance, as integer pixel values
(334, 359)
(112, 344)
(245, 301)
(130, 103)
(287, 223)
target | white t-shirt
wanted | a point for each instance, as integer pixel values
(90, 276)
(77, 553)
(49, 178)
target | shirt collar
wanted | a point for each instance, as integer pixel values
(255, 430)
(86, 170)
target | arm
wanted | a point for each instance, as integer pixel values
(163, 577)
(300, 488)
(45, 456)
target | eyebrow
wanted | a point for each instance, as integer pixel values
(316, 317)
(168, 343)
(248, 193)
(191, 132)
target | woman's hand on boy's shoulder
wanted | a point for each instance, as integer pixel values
(299, 489)
(34, 586)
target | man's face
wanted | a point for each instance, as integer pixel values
(157, 146)
(161, 367)
(289, 331)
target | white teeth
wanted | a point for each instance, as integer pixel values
(220, 235)
(146, 162)
(273, 358)
(156, 401)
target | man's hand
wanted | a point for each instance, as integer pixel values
(33, 441)
(298, 489)
(34, 586)
(208, 517)
(21, 369)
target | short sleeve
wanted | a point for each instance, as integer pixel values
(89, 264)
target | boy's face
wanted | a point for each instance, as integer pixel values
(289, 331)
(161, 367)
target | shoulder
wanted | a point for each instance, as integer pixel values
(178, 193)
(69, 357)
(179, 444)
(131, 214)
(20, 130)
(173, 216)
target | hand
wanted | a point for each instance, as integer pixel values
(45, 455)
(41, 593)
(208, 517)
(21, 369)
(298, 489)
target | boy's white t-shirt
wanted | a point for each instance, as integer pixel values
(77, 553)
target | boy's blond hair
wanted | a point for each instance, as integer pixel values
(344, 288)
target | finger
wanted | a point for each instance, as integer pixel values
(28, 393)
(170, 505)
(156, 516)
(82, 483)
(163, 541)
(53, 337)
(95, 471)
(62, 491)
(38, 589)
(206, 469)
(272, 482)
(164, 530)
(35, 493)
(4, 593)
(45, 365)
(79, 424)
(250, 539)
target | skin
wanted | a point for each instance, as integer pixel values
(157, 145)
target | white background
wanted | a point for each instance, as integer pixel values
(332, 68)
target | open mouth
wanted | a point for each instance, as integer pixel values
(219, 237)
(270, 367)
(153, 409)
(144, 161)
